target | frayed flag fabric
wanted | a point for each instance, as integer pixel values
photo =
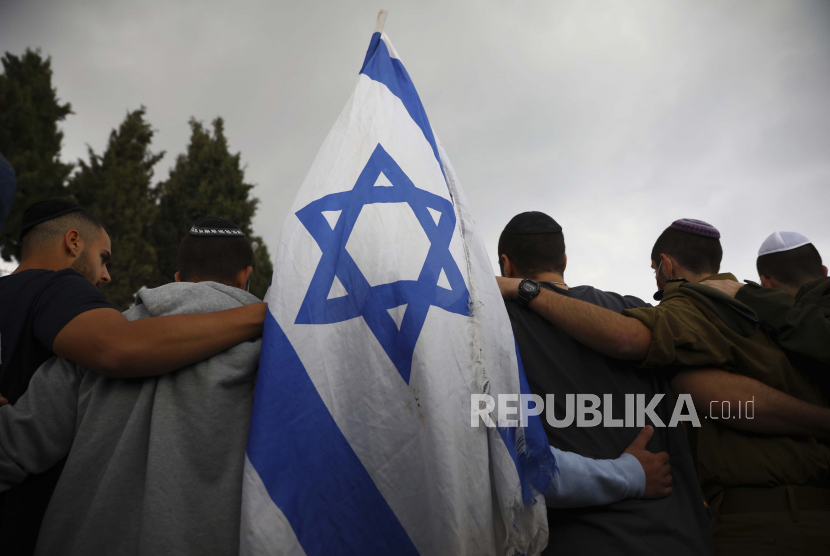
(383, 318)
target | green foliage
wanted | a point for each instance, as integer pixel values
(145, 224)
(30, 138)
(207, 181)
(115, 188)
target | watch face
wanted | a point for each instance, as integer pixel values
(528, 287)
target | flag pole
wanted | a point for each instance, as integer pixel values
(381, 21)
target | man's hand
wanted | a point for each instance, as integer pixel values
(509, 287)
(729, 287)
(656, 466)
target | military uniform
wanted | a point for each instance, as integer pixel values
(802, 323)
(769, 494)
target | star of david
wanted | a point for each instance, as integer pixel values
(373, 303)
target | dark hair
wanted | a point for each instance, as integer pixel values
(214, 258)
(534, 253)
(793, 268)
(697, 253)
(43, 234)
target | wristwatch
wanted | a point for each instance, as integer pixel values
(528, 289)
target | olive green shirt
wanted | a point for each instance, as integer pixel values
(697, 326)
(801, 323)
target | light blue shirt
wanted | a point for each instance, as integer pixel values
(583, 481)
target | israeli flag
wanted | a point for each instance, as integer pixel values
(384, 317)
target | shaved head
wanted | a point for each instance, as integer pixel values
(46, 234)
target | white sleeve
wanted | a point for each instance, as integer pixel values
(583, 481)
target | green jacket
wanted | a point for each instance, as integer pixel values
(802, 323)
(696, 326)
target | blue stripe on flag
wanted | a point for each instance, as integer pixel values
(381, 67)
(537, 465)
(308, 467)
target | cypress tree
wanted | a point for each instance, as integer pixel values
(207, 180)
(115, 187)
(30, 138)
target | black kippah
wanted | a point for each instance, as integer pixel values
(38, 213)
(214, 226)
(532, 223)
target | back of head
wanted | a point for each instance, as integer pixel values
(790, 259)
(214, 250)
(534, 243)
(693, 243)
(46, 223)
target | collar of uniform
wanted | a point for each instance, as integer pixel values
(658, 295)
(732, 312)
(722, 276)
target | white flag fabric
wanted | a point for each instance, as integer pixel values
(384, 317)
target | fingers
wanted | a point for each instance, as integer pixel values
(642, 439)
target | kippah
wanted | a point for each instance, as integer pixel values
(214, 226)
(698, 227)
(782, 241)
(532, 223)
(38, 213)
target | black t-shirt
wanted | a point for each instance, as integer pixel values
(556, 364)
(35, 305)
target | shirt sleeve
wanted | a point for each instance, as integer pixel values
(803, 328)
(62, 300)
(38, 430)
(681, 336)
(583, 481)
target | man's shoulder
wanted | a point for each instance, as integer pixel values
(35, 284)
(818, 291)
(607, 299)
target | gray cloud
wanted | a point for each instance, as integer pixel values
(615, 118)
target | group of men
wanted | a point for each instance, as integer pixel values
(764, 475)
(105, 450)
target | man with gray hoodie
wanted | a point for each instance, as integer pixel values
(154, 464)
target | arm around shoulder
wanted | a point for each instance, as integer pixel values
(600, 329)
(106, 342)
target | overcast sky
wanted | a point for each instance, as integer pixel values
(615, 118)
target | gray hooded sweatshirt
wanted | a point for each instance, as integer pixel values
(155, 464)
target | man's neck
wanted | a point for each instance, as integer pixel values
(41, 263)
(555, 277)
(693, 277)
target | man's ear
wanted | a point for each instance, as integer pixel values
(73, 243)
(766, 281)
(507, 270)
(177, 278)
(667, 267)
(242, 277)
(564, 262)
(825, 270)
